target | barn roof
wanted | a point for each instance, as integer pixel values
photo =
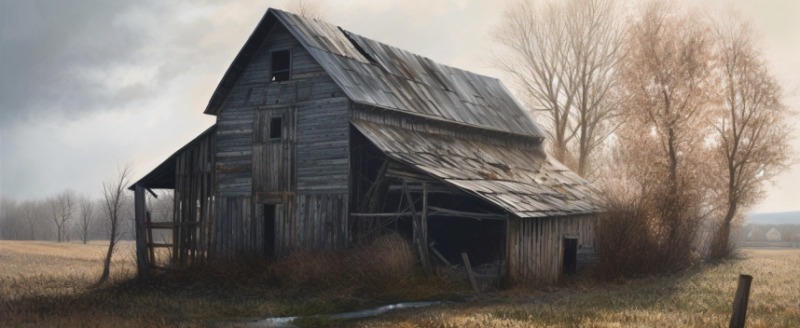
(379, 75)
(523, 182)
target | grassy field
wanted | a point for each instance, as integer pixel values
(700, 298)
(48, 284)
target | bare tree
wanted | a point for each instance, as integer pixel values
(670, 90)
(114, 203)
(29, 212)
(752, 135)
(62, 207)
(562, 58)
(307, 8)
(9, 219)
(86, 219)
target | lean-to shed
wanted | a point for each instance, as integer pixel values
(325, 139)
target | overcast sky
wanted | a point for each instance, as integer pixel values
(88, 85)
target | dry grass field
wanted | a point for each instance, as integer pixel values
(701, 298)
(48, 284)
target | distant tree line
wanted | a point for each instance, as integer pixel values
(71, 217)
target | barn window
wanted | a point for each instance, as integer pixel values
(281, 65)
(276, 128)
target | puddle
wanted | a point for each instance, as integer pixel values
(287, 321)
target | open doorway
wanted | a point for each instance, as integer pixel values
(269, 230)
(570, 255)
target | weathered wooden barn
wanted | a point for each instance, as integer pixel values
(325, 139)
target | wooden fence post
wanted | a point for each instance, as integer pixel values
(740, 302)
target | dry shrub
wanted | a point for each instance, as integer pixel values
(644, 235)
(625, 245)
(388, 260)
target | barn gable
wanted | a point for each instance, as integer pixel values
(375, 74)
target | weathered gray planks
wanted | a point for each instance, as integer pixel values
(535, 246)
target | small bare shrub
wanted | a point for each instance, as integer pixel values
(644, 235)
(625, 245)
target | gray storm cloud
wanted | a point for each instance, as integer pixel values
(52, 53)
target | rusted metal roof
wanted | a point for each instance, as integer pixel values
(379, 75)
(523, 182)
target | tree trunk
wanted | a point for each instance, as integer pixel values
(107, 263)
(719, 247)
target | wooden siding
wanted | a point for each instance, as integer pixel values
(235, 233)
(323, 134)
(535, 246)
(321, 221)
(311, 160)
(194, 176)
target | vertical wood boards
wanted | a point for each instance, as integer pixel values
(323, 136)
(305, 174)
(321, 222)
(193, 208)
(535, 246)
(142, 259)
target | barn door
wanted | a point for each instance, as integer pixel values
(270, 213)
(273, 150)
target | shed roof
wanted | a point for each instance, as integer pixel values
(379, 75)
(523, 182)
(163, 175)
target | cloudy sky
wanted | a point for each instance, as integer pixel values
(88, 85)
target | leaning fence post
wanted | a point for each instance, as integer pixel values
(740, 302)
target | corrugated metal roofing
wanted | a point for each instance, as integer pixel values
(379, 75)
(523, 182)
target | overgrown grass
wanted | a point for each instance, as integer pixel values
(233, 293)
(701, 297)
(229, 292)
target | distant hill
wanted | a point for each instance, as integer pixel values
(774, 218)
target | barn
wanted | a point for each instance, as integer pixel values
(325, 139)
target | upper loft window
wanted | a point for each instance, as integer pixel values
(281, 65)
(276, 128)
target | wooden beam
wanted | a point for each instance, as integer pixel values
(373, 188)
(432, 247)
(142, 259)
(433, 189)
(424, 224)
(417, 233)
(438, 211)
(152, 193)
(150, 239)
(367, 215)
(471, 275)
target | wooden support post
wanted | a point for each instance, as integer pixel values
(150, 241)
(176, 210)
(416, 224)
(142, 258)
(469, 273)
(740, 302)
(423, 238)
